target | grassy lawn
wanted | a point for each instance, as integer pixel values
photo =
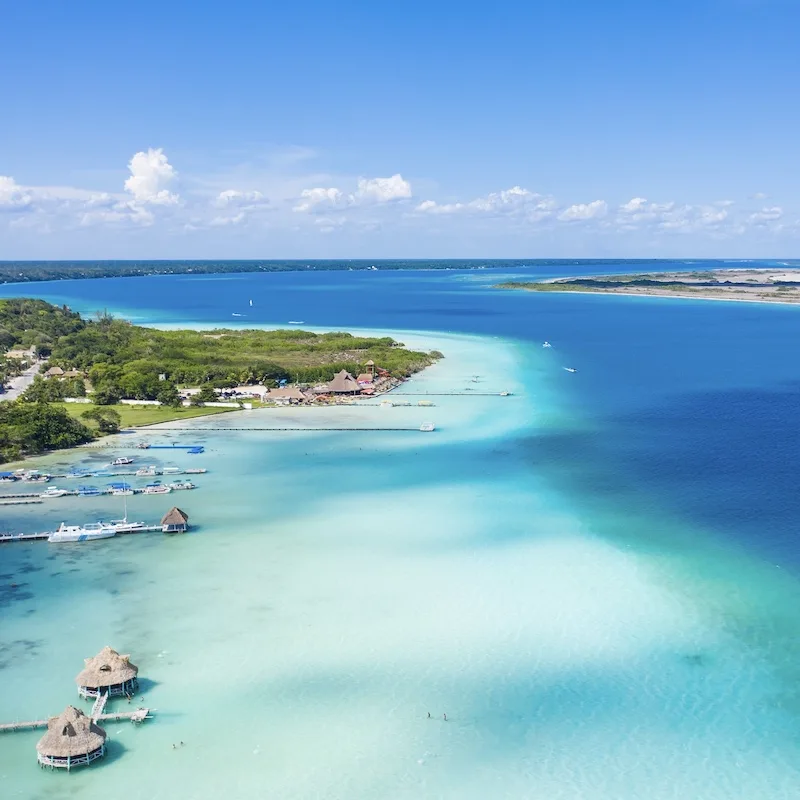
(133, 416)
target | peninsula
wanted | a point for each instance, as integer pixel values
(87, 378)
(777, 285)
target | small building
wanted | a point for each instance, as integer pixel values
(72, 373)
(22, 355)
(287, 394)
(344, 383)
(54, 372)
(175, 521)
(72, 740)
(108, 673)
(257, 391)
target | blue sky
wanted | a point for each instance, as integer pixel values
(411, 129)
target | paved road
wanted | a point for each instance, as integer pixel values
(16, 386)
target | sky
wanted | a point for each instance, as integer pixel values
(411, 130)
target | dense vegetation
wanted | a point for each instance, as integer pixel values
(29, 428)
(24, 271)
(122, 360)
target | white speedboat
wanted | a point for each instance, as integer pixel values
(171, 471)
(157, 488)
(122, 525)
(195, 471)
(546, 344)
(570, 369)
(53, 492)
(121, 461)
(81, 533)
(180, 486)
(427, 427)
(146, 471)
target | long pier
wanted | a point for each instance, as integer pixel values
(140, 715)
(44, 535)
(37, 497)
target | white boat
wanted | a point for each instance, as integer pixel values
(195, 471)
(122, 492)
(157, 488)
(121, 461)
(427, 427)
(251, 303)
(296, 322)
(179, 486)
(570, 369)
(171, 471)
(546, 344)
(122, 525)
(146, 471)
(505, 393)
(81, 533)
(53, 492)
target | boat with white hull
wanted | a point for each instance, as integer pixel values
(81, 533)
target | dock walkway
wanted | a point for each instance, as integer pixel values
(139, 715)
(39, 535)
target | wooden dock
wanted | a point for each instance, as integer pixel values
(45, 535)
(139, 715)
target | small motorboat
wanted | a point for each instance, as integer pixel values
(427, 427)
(53, 492)
(171, 470)
(89, 491)
(179, 486)
(121, 461)
(157, 488)
(122, 525)
(546, 344)
(570, 369)
(196, 471)
(144, 472)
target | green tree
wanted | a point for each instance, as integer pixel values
(108, 420)
(168, 395)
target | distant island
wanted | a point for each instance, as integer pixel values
(90, 377)
(27, 271)
(776, 285)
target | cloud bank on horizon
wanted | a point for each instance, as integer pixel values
(193, 211)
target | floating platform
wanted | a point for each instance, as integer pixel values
(45, 535)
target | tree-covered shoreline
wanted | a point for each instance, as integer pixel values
(111, 359)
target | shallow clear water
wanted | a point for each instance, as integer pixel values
(595, 578)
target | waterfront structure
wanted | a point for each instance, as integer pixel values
(343, 383)
(175, 521)
(286, 394)
(108, 673)
(72, 740)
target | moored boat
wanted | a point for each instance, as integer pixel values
(53, 491)
(157, 488)
(81, 533)
(179, 486)
(427, 427)
(121, 461)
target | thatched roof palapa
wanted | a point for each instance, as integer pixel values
(107, 668)
(175, 517)
(343, 382)
(286, 393)
(71, 733)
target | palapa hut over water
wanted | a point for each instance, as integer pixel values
(72, 740)
(344, 383)
(108, 673)
(175, 521)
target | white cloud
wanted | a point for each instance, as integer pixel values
(634, 206)
(221, 222)
(760, 196)
(151, 174)
(767, 215)
(582, 211)
(370, 191)
(312, 198)
(232, 198)
(383, 190)
(13, 197)
(515, 201)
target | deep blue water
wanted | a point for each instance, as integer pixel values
(691, 407)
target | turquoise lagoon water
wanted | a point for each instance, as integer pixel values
(595, 578)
